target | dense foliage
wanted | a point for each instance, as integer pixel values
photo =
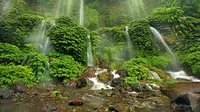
(10, 54)
(136, 71)
(68, 38)
(177, 20)
(14, 31)
(11, 74)
(64, 67)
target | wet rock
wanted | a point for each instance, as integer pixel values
(75, 102)
(104, 77)
(173, 91)
(112, 109)
(182, 103)
(122, 73)
(139, 87)
(197, 105)
(82, 82)
(19, 87)
(117, 82)
(6, 93)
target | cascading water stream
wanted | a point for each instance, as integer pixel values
(89, 53)
(64, 7)
(81, 13)
(129, 43)
(42, 40)
(136, 8)
(69, 7)
(178, 73)
(160, 38)
(99, 85)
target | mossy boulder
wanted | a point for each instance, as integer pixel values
(104, 77)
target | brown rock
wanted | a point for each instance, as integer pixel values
(75, 102)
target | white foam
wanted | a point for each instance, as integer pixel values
(98, 85)
(114, 74)
(182, 75)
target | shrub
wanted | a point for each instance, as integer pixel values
(160, 62)
(136, 70)
(69, 39)
(64, 67)
(130, 81)
(39, 64)
(14, 31)
(11, 74)
(10, 54)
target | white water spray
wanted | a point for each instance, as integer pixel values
(182, 75)
(81, 13)
(129, 43)
(89, 53)
(97, 84)
(69, 7)
(64, 7)
(40, 39)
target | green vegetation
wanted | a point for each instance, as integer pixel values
(11, 74)
(68, 38)
(64, 67)
(177, 20)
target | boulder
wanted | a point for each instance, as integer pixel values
(112, 109)
(185, 96)
(75, 102)
(122, 73)
(19, 87)
(104, 77)
(6, 93)
(82, 82)
(117, 82)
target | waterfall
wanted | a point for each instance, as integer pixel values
(129, 43)
(81, 13)
(89, 53)
(69, 7)
(40, 39)
(182, 75)
(136, 8)
(64, 7)
(160, 38)
(174, 65)
(177, 73)
(58, 9)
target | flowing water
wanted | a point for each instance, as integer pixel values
(177, 73)
(182, 75)
(174, 65)
(129, 44)
(39, 38)
(136, 8)
(90, 61)
(64, 7)
(160, 38)
(81, 13)
(99, 85)
(155, 75)
(69, 7)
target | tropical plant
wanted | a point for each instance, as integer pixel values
(11, 74)
(64, 67)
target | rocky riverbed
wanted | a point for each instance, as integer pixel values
(58, 98)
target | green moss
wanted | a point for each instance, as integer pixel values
(104, 76)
